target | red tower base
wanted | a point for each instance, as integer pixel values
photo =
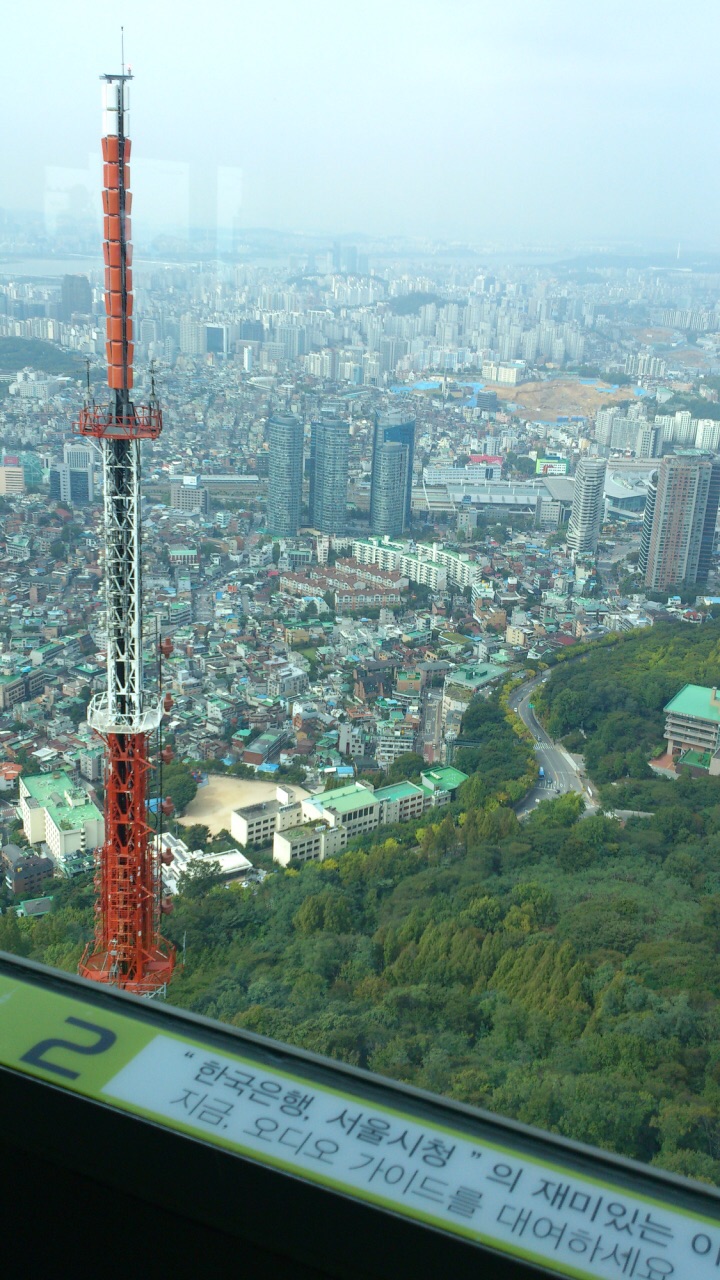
(157, 970)
(128, 950)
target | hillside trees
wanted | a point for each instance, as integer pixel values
(564, 970)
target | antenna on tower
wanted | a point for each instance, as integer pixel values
(122, 48)
(128, 950)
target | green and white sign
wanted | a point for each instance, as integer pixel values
(497, 1196)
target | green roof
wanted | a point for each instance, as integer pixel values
(34, 906)
(348, 804)
(42, 785)
(344, 799)
(445, 778)
(52, 792)
(696, 701)
(398, 791)
(473, 677)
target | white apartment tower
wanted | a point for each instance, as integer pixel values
(588, 505)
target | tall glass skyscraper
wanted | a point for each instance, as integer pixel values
(389, 483)
(285, 474)
(394, 427)
(329, 448)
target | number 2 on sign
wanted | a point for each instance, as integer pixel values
(37, 1055)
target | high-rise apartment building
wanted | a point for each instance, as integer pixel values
(679, 522)
(75, 297)
(329, 449)
(649, 440)
(604, 424)
(588, 506)
(148, 331)
(684, 429)
(391, 350)
(392, 428)
(617, 430)
(285, 474)
(192, 337)
(389, 478)
(648, 521)
(293, 339)
(643, 364)
(707, 435)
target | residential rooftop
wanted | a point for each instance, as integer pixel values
(34, 906)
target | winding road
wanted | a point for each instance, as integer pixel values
(561, 772)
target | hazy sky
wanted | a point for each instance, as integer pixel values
(520, 120)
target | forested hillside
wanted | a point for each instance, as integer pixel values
(35, 353)
(566, 973)
(563, 971)
(608, 702)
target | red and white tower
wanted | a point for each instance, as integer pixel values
(128, 950)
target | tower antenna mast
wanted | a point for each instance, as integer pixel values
(128, 950)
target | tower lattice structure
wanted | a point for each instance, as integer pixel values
(128, 950)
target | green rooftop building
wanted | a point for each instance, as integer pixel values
(441, 783)
(354, 806)
(56, 811)
(692, 721)
(331, 818)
